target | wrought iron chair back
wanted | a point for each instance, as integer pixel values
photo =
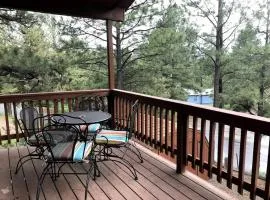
(94, 103)
(27, 116)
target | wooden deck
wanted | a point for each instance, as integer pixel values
(156, 181)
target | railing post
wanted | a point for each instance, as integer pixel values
(110, 57)
(181, 162)
(111, 108)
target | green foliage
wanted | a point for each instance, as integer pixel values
(169, 59)
(158, 51)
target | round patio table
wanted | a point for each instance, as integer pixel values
(83, 117)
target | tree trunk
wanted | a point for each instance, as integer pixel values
(262, 90)
(120, 73)
(218, 102)
(261, 109)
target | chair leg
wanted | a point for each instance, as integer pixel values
(59, 168)
(127, 164)
(137, 152)
(21, 162)
(88, 179)
(36, 154)
(41, 179)
(96, 170)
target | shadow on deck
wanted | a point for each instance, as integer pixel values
(156, 181)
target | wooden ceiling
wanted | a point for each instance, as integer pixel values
(97, 9)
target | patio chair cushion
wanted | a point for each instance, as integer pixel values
(92, 128)
(63, 151)
(111, 137)
(57, 136)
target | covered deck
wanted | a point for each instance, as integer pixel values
(157, 180)
(212, 141)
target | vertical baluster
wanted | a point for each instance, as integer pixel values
(138, 121)
(202, 144)
(242, 160)
(267, 178)
(211, 148)
(116, 112)
(161, 129)
(146, 124)
(69, 104)
(255, 165)
(40, 110)
(124, 112)
(151, 125)
(23, 104)
(142, 122)
(15, 121)
(127, 111)
(230, 156)
(62, 105)
(7, 122)
(166, 130)
(194, 124)
(121, 112)
(55, 103)
(31, 103)
(76, 103)
(173, 132)
(48, 107)
(128, 106)
(220, 151)
(121, 109)
(156, 125)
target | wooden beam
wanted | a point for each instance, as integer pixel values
(96, 9)
(110, 58)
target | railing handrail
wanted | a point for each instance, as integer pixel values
(237, 119)
(50, 95)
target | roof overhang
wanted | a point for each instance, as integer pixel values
(96, 9)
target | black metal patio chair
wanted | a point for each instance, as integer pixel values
(30, 124)
(76, 151)
(110, 139)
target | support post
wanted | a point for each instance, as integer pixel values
(181, 161)
(111, 75)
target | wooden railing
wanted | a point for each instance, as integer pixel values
(173, 127)
(197, 136)
(46, 103)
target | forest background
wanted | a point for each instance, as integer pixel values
(163, 48)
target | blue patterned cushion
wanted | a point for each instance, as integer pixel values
(93, 128)
(82, 150)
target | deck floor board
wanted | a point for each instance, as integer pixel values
(155, 181)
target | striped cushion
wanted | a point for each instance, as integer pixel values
(63, 151)
(113, 132)
(111, 137)
(82, 150)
